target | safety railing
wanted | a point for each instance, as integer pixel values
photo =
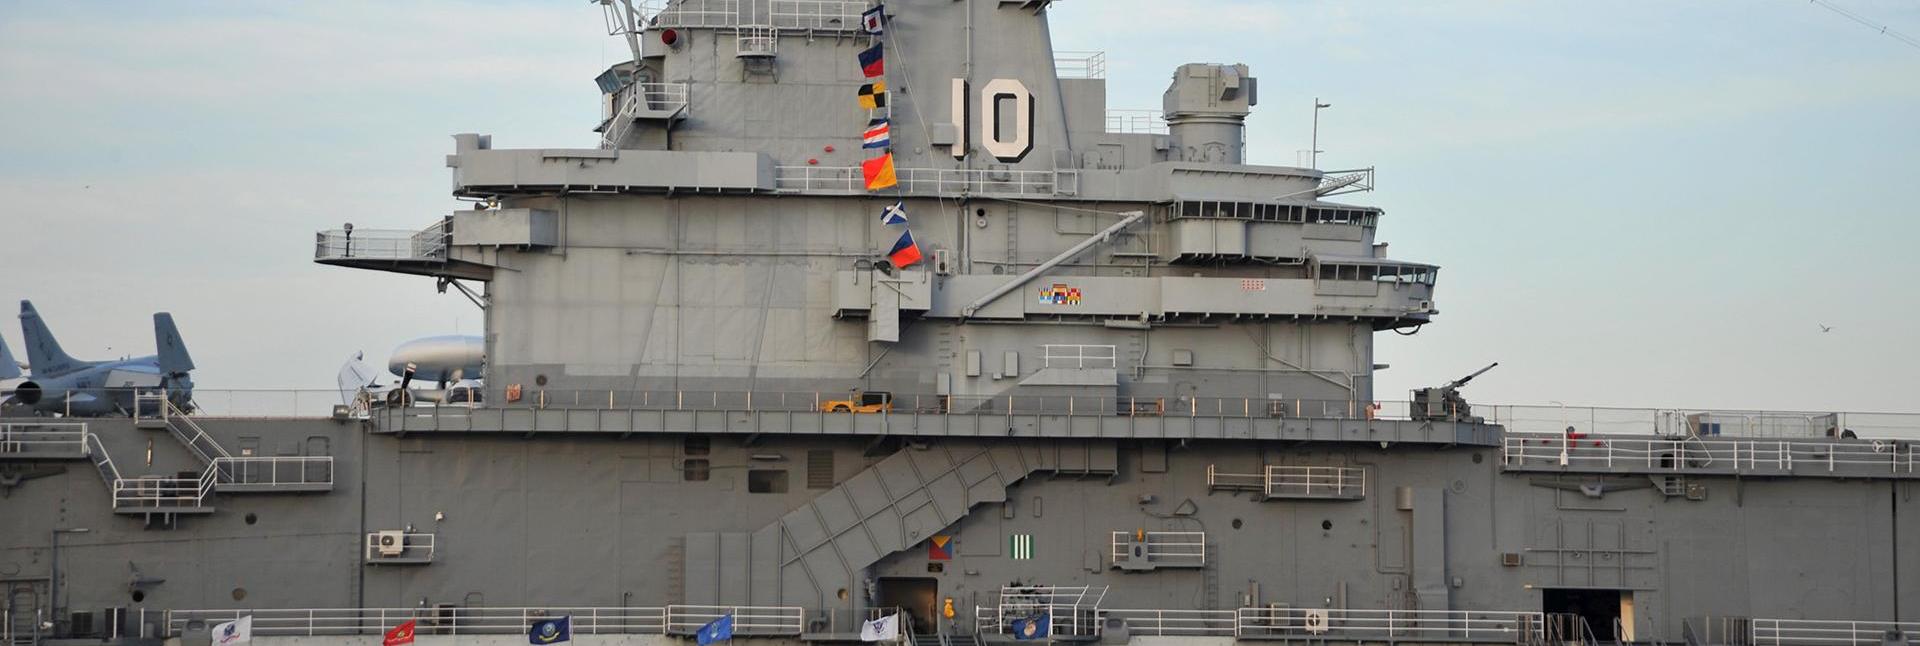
(409, 547)
(159, 493)
(429, 244)
(1315, 482)
(1136, 122)
(43, 440)
(266, 473)
(1815, 632)
(1173, 623)
(1177, 549)
(439, 620)
(817, 15)
(1079, 356)
(765, 621)
(1674, 422)
(849, 180)
(1080, 65)
(1841, 458)
(179, 424)
(645, 101)
(1282, 623)
(1070, 610)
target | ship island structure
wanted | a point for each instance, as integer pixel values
(1028, 368)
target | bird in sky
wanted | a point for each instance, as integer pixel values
(1824, 328)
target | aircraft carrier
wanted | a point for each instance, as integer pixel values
(860, 310)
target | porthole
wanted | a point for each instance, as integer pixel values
(1326, 525)
(251, 519)
(139, 596)
(239, 593)
(1477, 458)
(1236, 523)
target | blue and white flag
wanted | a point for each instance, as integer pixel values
(551, 631)
(1035, 627)
(718, 630)
(895, 214)
(238, 631)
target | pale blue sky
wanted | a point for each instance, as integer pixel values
(1636, 203)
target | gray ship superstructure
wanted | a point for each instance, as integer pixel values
(1127, 388)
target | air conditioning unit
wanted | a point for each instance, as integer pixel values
(391, 542)
(942, 262)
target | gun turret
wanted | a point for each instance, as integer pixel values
(1444, 403)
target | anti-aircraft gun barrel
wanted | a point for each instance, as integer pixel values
(1463, 380)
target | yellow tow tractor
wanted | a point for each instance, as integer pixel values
(861, 402)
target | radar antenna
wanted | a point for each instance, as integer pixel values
(624, 19)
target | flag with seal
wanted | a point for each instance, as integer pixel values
(884, 629)
(238, 631)
(551, 631)
(718, 630)
(1035, 627)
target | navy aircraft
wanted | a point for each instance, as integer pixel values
(68, 386)
(10, 375)
(456, 363)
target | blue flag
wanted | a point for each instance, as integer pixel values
(895, 214)
(551, 631)
(1035, 627)
(718, 630)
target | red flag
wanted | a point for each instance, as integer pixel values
(879, 172)
(401, 634)
(905, 252)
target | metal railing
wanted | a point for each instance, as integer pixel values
(1674, 422)
(269, 472)
(1280, 622)
(415, 547)
(1079, 356)
(819, 15)
(765, 621)
(1816, 632)
(1070, 610)
(1080, 65)
(444, 620)
(848, 180)
(644, 100)
(1172, 548)
(1844, 458)
(179, 424)
(1310, 482)
(43, 439)
(160, 493)
(1136, 122)
(1174, 623)
(429, 244)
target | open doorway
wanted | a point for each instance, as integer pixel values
(916, 595)
(1601, 608)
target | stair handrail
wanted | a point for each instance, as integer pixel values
(169, 411)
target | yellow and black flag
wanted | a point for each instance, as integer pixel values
(873, 96)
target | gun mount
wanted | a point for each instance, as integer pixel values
(1444, 403)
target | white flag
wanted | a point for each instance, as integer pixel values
(239, 631)
(880, 630)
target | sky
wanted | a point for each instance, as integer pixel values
(1638, 203)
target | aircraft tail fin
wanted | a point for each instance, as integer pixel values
(9, 369)
(43, 353)
(167, 345)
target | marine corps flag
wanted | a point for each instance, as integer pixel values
(873, 61)
(879, 172)
(873, 96)
(401, 634)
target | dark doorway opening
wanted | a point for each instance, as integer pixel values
(915, 595)
(1600, 609)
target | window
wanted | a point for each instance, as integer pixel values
(697, 445)
(766, 481)
(696, 470)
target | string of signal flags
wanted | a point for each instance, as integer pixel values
(879, 172)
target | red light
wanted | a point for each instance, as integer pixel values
(669, 37)
(813, 162)
(829, 148)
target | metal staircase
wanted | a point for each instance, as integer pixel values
(178, 424)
